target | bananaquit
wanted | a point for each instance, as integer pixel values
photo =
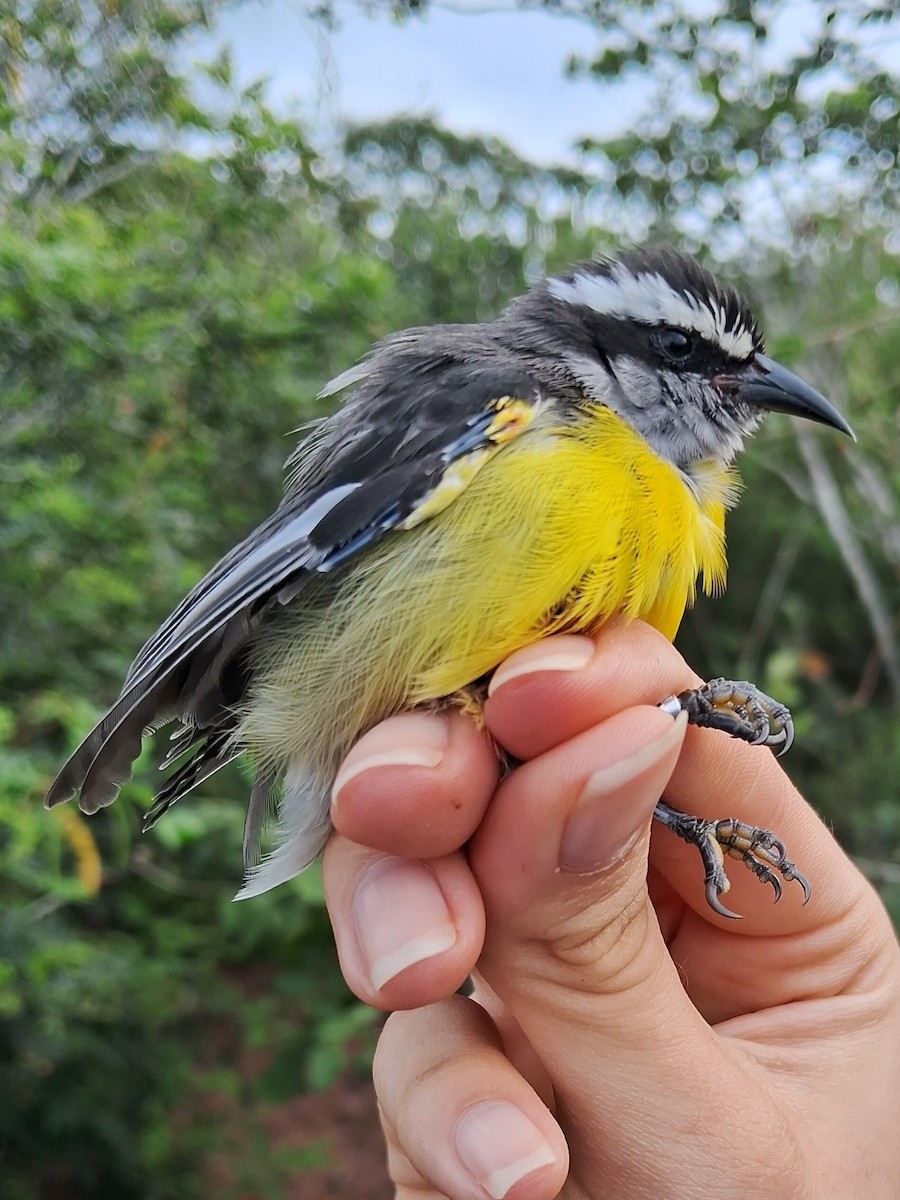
(481, 486)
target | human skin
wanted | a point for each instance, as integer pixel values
(624, 1041)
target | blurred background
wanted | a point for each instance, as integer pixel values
(207, 211)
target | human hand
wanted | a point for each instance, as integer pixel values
(624, 1041)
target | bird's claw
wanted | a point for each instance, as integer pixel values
(738, 708)
(759, 849)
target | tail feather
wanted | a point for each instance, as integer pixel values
(304, 825)
(114, 759)
(260, 811)
(218, 750)
(181, 741)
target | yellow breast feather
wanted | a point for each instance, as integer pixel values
(563, 528)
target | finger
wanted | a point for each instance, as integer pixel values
(407, 931)
(458, 1116)
(516, 1045)
(416, 785)
(549, 692)
(581, 809)
(574, 952)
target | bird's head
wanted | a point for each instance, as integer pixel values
(655, 337)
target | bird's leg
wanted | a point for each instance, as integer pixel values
(742, 710)
(758, 849)
(737, 708)
(469, 700)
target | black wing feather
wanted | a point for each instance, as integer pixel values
(369, 466)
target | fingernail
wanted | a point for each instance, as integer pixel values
(501, 1146)
(410, 740)
(401, 918)
(605, 820)
(570, 652)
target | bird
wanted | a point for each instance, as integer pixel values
(479, 487)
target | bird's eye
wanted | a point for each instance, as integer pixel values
(675, 344)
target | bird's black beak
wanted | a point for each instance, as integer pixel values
(767, 385)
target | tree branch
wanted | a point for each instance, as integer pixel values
(878, 495)
(770, 598)
(101, 179)
(829, 502)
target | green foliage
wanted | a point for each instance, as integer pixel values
(729, 117)
(177, 282)
(162, 326)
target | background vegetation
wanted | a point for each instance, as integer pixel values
(177, 280)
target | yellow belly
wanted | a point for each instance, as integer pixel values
(560, 530)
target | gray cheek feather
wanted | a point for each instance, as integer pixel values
(594, 380)
(681, 416)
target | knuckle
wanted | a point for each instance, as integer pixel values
(607, 940)
(599, 949)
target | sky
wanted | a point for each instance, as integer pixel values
(498, 73)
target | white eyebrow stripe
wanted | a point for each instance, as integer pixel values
(648, 297)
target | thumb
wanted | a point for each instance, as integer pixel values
(574, 952)
(561, 860)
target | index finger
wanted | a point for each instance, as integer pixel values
(562, 686)
(417, 785)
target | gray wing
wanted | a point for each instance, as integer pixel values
(179, 671)
(370, 465)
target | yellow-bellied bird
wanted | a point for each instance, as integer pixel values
(480, 487)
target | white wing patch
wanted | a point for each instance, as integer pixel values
(648, 297)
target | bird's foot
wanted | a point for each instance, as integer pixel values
(758, 849)
(743, 711)
(739, 709)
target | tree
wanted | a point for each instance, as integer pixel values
(177, 281)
